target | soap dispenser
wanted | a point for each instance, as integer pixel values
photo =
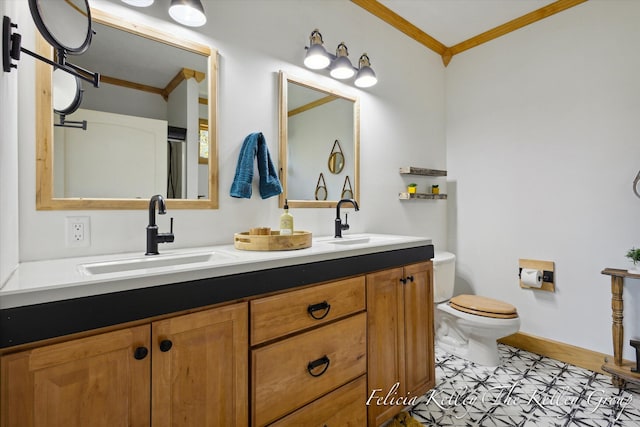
(286, 221)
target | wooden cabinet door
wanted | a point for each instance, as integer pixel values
(385, 329)
(93, 381)
(200, 369)
(418, 332)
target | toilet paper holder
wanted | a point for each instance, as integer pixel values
(547, 276)
(548, 273)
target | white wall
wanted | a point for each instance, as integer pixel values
(402, 123)
(543, 143)
(8, 162)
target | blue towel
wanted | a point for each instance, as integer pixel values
(255, 146)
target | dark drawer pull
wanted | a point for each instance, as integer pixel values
(317, 307)
(324, 360)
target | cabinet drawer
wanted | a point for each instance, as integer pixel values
(344, 407)
(284, 376)
(279, 315)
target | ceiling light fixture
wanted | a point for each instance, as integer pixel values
(317, 57)
(365, 77)
(185, 12)
(339, 65)
(138, 3)
(188, 12)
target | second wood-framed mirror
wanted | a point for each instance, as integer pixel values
(312, 118)
(151, 126)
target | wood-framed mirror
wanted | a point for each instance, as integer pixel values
(312, 118)
(131, 149)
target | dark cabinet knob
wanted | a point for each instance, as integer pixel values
(410, 278)
(165, 345)
(140, 353)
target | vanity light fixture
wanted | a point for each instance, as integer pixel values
(188, 12)
(317, 57)
(138, 3)
(339, 65)
(185, 12)
(365, 76)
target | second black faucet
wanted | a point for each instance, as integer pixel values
(339, 226)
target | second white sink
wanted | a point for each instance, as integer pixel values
(357, 239)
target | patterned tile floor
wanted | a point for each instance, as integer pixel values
(526, 390)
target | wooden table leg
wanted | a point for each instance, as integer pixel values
(617, 308)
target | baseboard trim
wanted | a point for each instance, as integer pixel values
(567, 353)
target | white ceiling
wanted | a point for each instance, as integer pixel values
(454, 21)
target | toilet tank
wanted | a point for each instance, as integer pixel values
(444, 273)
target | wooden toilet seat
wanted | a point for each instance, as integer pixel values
(483, 306)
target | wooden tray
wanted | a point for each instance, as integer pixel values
(272, 242)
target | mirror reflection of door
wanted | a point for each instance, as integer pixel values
(147, 87)
(315, 120)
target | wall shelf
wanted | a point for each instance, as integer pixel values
(412, 170)
(424, 196)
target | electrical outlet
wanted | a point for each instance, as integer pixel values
(78, 230)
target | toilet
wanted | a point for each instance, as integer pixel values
(468, 325)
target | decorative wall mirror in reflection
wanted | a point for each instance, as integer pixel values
(312, 118)
(336, 158)
(151, 125)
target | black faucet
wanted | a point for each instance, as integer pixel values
(339, 225)
(153, 237)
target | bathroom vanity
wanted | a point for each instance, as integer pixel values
(240, 338)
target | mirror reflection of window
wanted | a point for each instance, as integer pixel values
(204, 143)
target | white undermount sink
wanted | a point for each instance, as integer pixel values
(356, 239)
(152, 261)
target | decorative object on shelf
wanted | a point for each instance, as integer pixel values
(339, 65)
(347, 191)
(412, 188)
(634, 255)
(321, 190)
(435, 189)
(336, 158)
